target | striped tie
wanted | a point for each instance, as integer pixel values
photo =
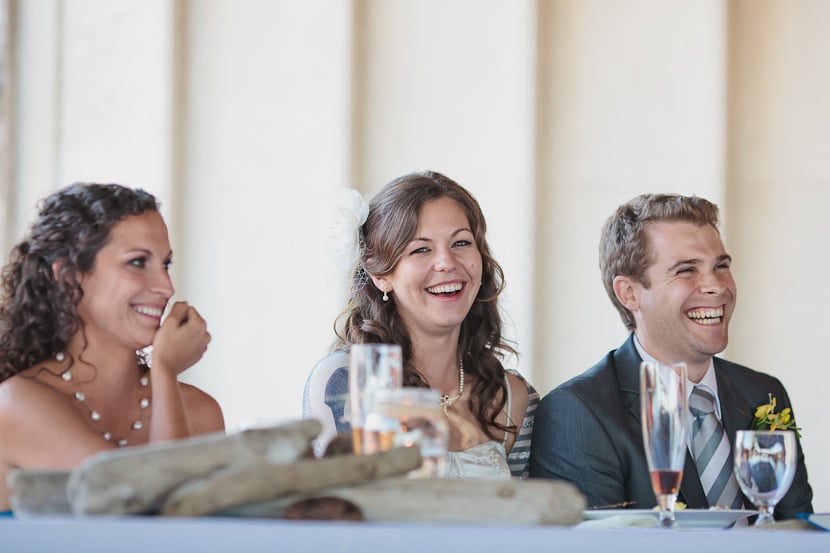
(710, 448)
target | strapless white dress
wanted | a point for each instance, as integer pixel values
(484, 461)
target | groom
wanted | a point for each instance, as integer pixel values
(667, 273)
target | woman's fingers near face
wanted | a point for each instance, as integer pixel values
(178, 313)
(185, 314)
(194, 316)
(183, 325)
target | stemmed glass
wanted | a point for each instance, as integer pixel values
(664, 417)
(765, 467)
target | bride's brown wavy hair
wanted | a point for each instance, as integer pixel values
(41, 281)
(389, 228)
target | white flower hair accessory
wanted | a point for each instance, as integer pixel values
(351, 211)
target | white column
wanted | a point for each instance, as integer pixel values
(7, 26)
(37, 96)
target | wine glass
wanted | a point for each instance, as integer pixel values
(765, 467)
(664, 417)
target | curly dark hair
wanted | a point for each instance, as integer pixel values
(40, 283)
(624, 247)
(390, 226)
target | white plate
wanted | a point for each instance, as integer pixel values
(686, 518)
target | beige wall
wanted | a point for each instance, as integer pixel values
(631, 101)
(779, 176)
(246, 116)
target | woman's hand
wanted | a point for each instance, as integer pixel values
(181, 340)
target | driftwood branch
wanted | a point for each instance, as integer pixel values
(38, 492)
(262, 482)
(137, 479)
(514, 502)
(496, 501)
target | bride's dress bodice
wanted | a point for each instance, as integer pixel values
(484, 461)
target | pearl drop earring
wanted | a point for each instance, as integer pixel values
(385, 296)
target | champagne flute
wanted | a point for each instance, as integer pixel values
(664, 417)
(764, 467)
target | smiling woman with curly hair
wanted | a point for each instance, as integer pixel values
(82, 299)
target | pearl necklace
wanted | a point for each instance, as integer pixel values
(95, 415)
(446, 400)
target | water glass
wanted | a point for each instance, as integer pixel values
(372, 367)
(765, 462)
(664, 418)
(412, 417)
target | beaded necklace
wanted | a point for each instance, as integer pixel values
(95, 415)
(447, 401)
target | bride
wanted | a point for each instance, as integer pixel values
(425, 280)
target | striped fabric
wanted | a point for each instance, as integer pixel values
(519, 457)
(711, 451)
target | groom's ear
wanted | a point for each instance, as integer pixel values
(626, 290)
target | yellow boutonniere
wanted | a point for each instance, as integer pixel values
(767, 419)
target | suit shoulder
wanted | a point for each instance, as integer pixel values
(744, 374)
(600, 378)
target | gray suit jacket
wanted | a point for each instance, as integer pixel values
(587, 431)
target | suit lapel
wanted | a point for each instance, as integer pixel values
(627, 366)
(736, 413)
(691, 490)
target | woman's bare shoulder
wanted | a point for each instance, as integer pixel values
(518, 387)
(40, 427)
(203, 411)
(23, 392)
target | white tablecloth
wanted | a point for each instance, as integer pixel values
(208, 535)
